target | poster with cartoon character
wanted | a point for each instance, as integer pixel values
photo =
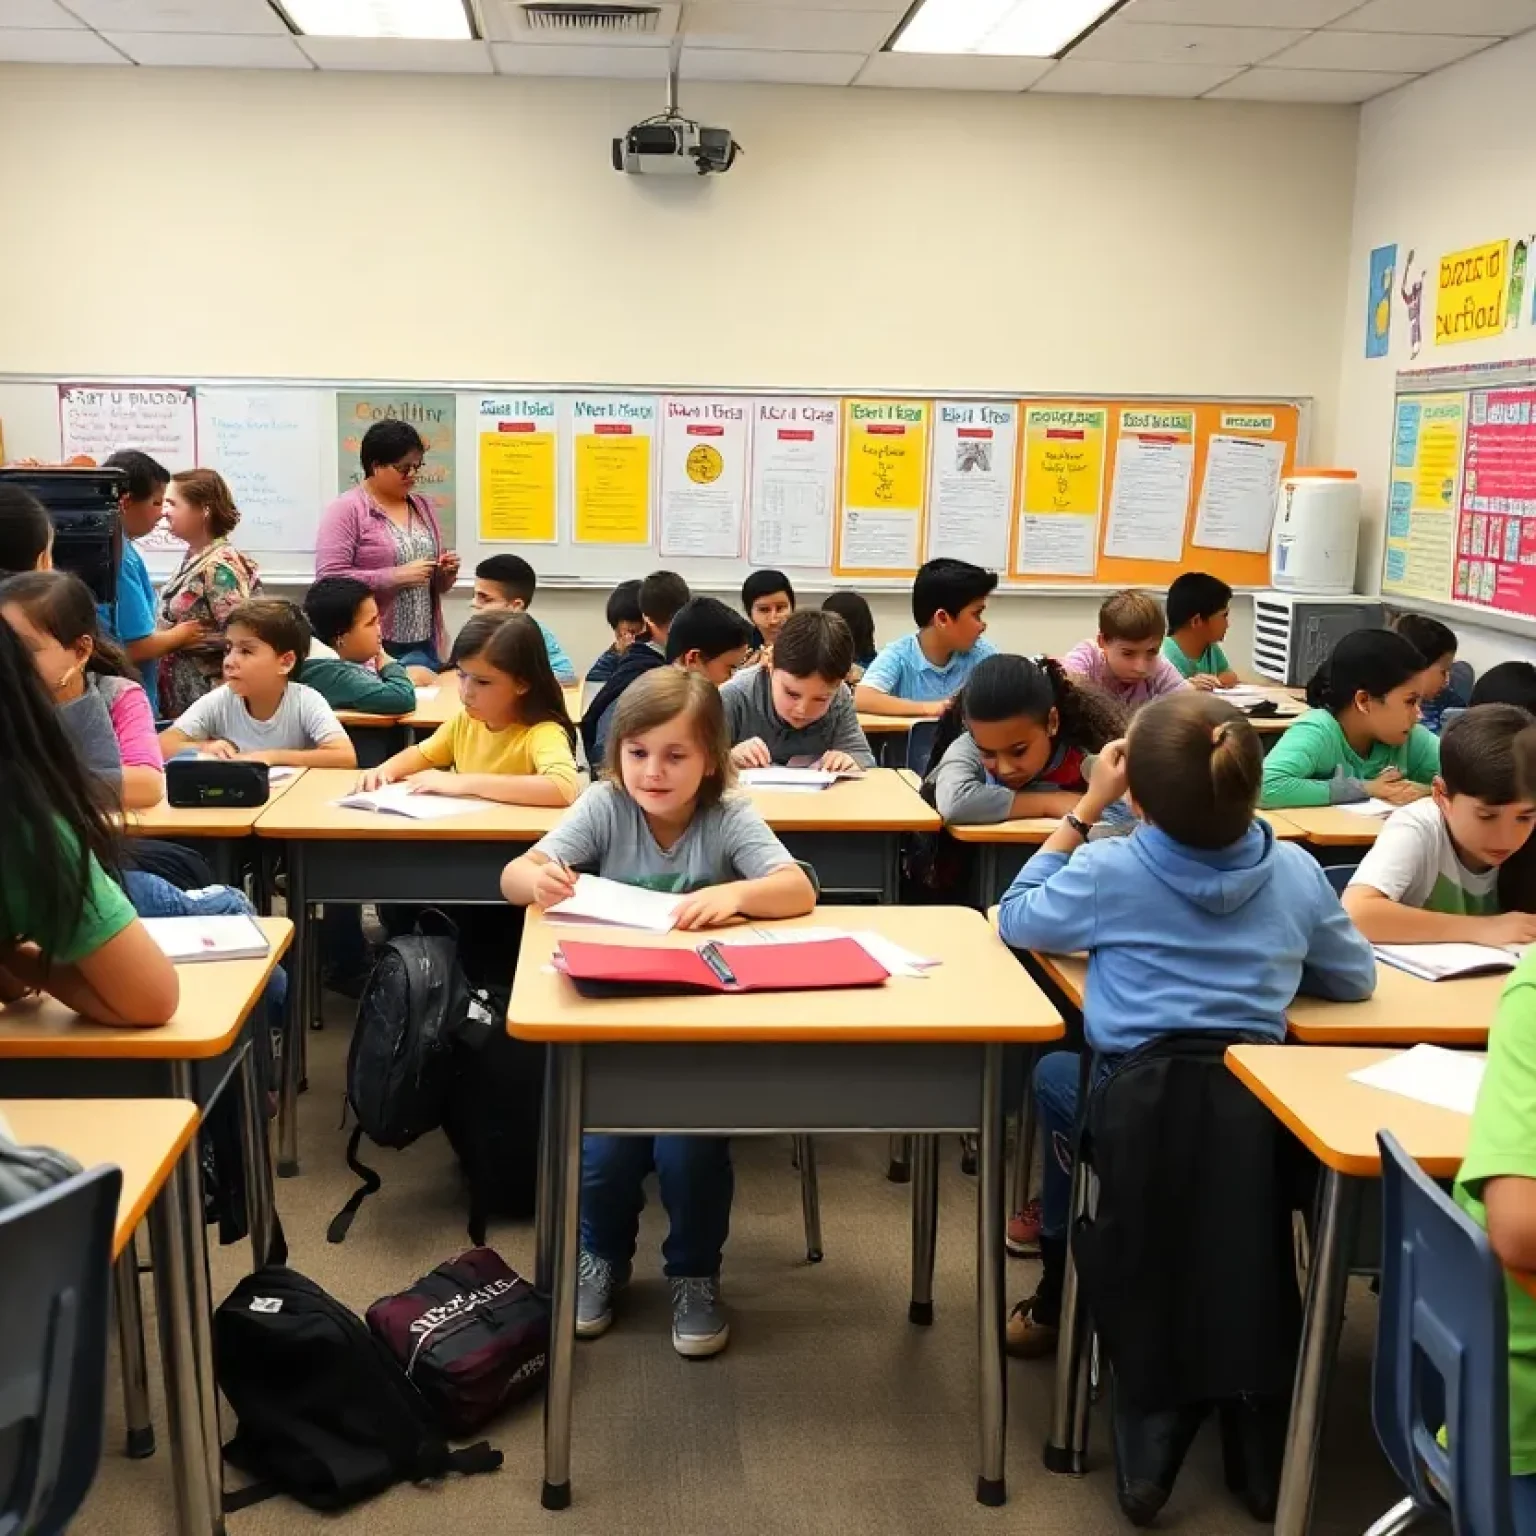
(1413, 297)
(1378, 301)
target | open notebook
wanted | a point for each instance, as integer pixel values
(1444, 962)
(800, 780)
(397, 800)
(186, 940)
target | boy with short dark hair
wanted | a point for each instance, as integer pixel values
(259, 715)
(662, 596)
(628, 625)
(918, 674)
(506, 584)
(131, 619)
(1126, 658)
(799, 707)
(1436, 643)
(768, 599)
(1511, 682)
(347, 664)
(1199, 611)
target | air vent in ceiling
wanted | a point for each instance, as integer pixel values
(545, 17)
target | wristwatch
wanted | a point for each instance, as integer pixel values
(1077, 824)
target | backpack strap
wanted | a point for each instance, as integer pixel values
(341, 1222)
(472, 1459)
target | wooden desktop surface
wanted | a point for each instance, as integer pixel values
(216, 997)
(1001, 1003)
(1035, 829)
(888, 725)
(1308, 1088)
(432, 712)
(165, 820)
(143, 1137)
(883, 800)
(1329, 827)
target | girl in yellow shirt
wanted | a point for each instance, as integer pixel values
(513, 740)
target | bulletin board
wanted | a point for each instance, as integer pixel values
(593, 484)
(1461, 504)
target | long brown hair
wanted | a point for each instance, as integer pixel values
(662, 695)
(207, 490)
(514, 644)
(61, 603)
(1195, 767)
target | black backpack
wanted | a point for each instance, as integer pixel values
(325, 1415)
(401, 1065)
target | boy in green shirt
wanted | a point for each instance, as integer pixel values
(1199, 611)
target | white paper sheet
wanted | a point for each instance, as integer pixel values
(1430, 1074)
(612, 904)
(1057, 545)
(703, 475)
(266, 444)
(787, 778)
(970, 481)
(1150, 501)
(879, 541)
(794, 481)
(1371, 807)
(188, 939)
(1238, 496)
(398, 800)
(897, 960)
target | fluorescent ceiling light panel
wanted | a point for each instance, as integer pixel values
(1037, 29)
(381, 18)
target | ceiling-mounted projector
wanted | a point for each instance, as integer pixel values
(670, 142)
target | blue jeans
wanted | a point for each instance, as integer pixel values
(415, 653)
(696, 1181)
(1522, 1504)
(1056, 1077)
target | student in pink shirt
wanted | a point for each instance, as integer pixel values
(1126, 658)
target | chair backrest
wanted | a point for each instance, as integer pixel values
(920, 744)
(589, 691)
(55, 1285)
(1339, 875)
(1463, 679)
(1442, 1352)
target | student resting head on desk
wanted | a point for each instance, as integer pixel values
(1199, 920)
(67, 928)
(1126, 658)
(512, 740)
(662, 818)
(104, 710)
(260, 715)
(347, 664)
(798, 706)
(506, 584)
(1013, 742)
(1459, 865)
(1361, 737)
(918, 674)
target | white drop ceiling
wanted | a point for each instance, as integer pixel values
(1253, 50)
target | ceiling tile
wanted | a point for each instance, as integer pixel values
(399, 55)
(614, 61)
(205, 17)
(952, 71)
(1388, 52)
(1243, 13)
(1100, 77)
(39, 47)
(1466, 18)
(1126, 42)
(1310, 85)
(723, 24)
(776, 68)
(37, 13)
(189, 51)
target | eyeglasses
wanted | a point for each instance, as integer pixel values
(407, 471)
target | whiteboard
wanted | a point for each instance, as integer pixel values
(278, 443)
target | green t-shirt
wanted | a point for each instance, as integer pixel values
(1503, 1143)
(106, 913)
(1212, 659)
(1303, 764)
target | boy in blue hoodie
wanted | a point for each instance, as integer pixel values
(1199, 920)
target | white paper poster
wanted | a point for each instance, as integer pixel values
(879, 541)
(1057, 546)
(703, 475)
(1149, 504)
(266, 444)
(794, 478)
(970, 487)
(1239, 494)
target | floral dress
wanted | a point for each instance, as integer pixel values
(210, 585)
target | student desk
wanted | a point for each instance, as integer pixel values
(898, 1057)
(1326, 826)
(850, 833)
(887, 736)
(1309, 1091)
(1004, 847)
(218, 833)
(152, 1142)
(398, 732)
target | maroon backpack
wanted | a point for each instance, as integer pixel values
(473, 1336)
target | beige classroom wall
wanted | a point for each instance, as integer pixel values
(185, 223)
(1443, 164)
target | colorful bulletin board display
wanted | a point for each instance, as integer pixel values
(971, 470)
(884, 486)
(1062, 491)
(519, 487)
(794, 479)
(433, 415)
(611, 451)
(1427, 443)
(704, 443)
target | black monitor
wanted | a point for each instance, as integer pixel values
(87, 528)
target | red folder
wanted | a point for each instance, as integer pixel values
(629, 970)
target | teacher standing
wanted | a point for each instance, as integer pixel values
(382, 534)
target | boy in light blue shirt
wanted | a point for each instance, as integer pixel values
(918, 674)
(131, 619)
(506, 584)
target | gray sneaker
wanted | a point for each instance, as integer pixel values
(699, 1327)
(596, 1282)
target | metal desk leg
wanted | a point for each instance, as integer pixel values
(1314, 1364)
(566, 1190)
(130, 1344)
(992, 1385)
(297, 1021)
(810, 1197)
(899, 1169)
(1067, 1446)
(256, 1153)
(544, 1200)
(180, 1253)
(1024, 1149)
(925, 1225)
(890, 891)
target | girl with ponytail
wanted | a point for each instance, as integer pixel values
(1014, 742)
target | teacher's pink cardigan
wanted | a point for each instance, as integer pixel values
(356, 540)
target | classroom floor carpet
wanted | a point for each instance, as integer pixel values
(829, 1415)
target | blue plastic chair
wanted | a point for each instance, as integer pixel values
(55, 1286)
(1339, 875)
(1442, 1356)
(920, 744)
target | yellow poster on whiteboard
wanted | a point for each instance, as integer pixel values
(1063, 490)
(518, 491)
(1420, 546)
(1470, 301)
(885, 479)
(611, 444)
